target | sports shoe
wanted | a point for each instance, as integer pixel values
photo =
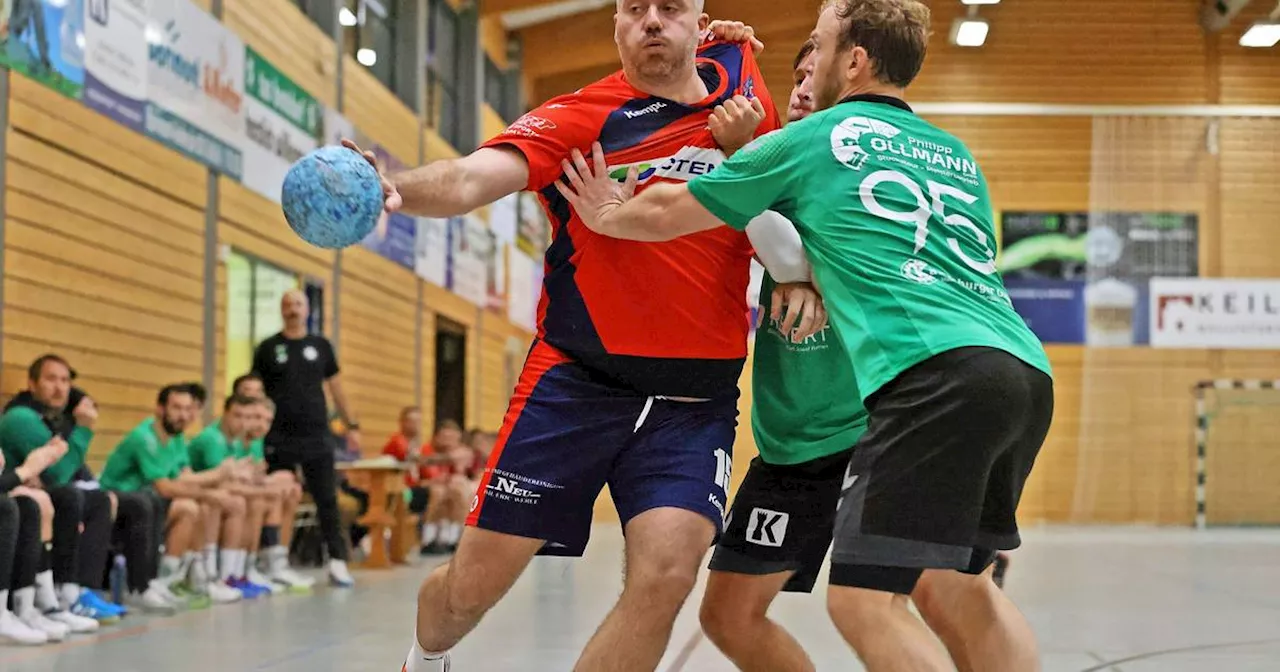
(339, 575)
(221, 593)
(92, 605)
(152, 601)
(251, 591)
(188, 598)
(14, 631)
(53, 630)
(257, 578)
(292, 581)
(78, 623)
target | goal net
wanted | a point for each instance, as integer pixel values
(1237, 456)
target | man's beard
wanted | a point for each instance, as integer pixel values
(173, 427)
(663, 67)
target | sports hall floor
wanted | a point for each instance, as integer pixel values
(1104, 599)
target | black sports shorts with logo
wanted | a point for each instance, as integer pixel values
(782, 519)
(935, 482)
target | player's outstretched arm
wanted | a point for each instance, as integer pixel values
(779, 248)
(453, 186)
(663, 212)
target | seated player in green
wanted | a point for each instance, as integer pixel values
(153, 458)
(235, 440)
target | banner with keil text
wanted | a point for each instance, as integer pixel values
(281, 124)
(115, 55)
(1222, 314)
(44, 40)
(195, 84)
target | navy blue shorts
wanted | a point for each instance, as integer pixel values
(567, 434)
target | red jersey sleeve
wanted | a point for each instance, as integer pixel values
(397, 447)
(548, 134)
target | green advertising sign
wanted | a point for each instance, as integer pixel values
(265, 83)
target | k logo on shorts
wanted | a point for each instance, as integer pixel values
(767, 528)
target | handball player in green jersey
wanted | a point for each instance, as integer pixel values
(896, 219)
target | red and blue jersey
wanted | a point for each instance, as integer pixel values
(658, 318)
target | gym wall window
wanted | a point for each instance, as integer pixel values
(319, 11)
(444, 73)
(368, 35)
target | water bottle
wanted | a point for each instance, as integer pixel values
(117, 579)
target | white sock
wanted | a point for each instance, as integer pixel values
(227, 561)
(46, 597)
(211, 559)
(277, 559)
(68, 595)
(454, 534)
(250, 562)
(423, 661)
(194, 570)
(4, 600)
(170, 569)
(24, 601)
(430, 532)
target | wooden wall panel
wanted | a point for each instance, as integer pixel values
(378, 342)
(379, 114)
(283, 35)
(1250, 225)
(104, 257)
(427, 318)
(491, 123)
(1248, 76)
(493, 39)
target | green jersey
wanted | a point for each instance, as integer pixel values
(141, 459)
(255, 450)
(22, 430)
(896, 220)
(211, 448)
(805, 398)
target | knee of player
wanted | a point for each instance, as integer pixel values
(664, 579)
(235, 505)
(469, 596)
(184, 508)
(41, 500)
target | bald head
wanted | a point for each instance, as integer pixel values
(294, 308)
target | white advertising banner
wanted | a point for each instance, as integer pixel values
(281, 124)
(1211, 313)
(469, 276)
(195, 84)
(115, 60)
(524, 290)
(337, 127)
(431, 250)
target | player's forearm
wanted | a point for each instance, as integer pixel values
(458, 186)
(779, 247)
(437, 189)
(203, 479)
(171, 488)
(662, 212)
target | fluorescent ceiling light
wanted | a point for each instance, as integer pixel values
(980, 2)
(367, 57)
(346, 17)
(1262, 34)
(969, 32)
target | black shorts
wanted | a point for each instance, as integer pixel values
(782, 519)
(935, 482)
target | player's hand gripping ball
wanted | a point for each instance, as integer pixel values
(332, 197)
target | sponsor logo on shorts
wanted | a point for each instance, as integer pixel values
(475, 503)
(715, 501)
(767, 528)
(505, 486)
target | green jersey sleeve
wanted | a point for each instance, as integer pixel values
(257, 450)
(153, 464)
(761, 176)
(22, 431)
(207, 450)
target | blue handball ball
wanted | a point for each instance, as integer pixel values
(332, 197)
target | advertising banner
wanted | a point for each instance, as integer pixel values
(431, 251)
(44, 40)
(195, 84)
(469, 243)
(525, 290)
(532, 228)
(115, 53)
(1221, 314)
(281, 124)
